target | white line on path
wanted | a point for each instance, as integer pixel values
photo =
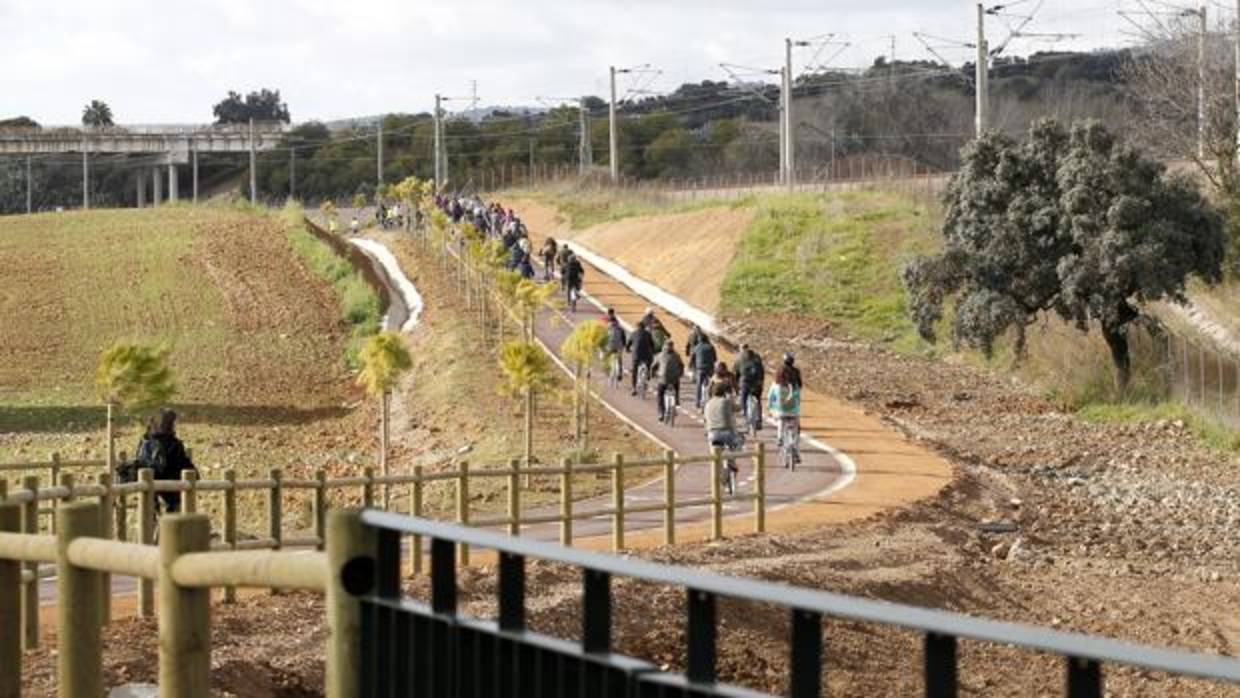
(413, 299)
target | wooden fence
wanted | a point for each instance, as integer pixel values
(185, 570)
(33, 494)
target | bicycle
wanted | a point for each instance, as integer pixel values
(643, 380)
(615, 373)
(730, 470)
(669, 407)
(753, 415)
(573, 295)
(788, 438)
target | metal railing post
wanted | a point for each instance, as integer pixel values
(79, 658)
(10, 609)
(566, 502)
(415, 510)
(669, 497)
(30, 590)
(146, 536)
(106, 513)
(184, 612)
(462, 505)
(716, 494)
(617, 502)
(351, 565)
(514, 497)
(230, 524)
(759, 487)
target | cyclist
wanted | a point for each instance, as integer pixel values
(658, 332)
(641, 346)
(719, 416)
(547, 252)
(561, 259)
(165, 454)
(616, 339)
(750, 376)
(784, 403)
(722, 377)
(668, 369)
(695, 335)
(702, 359)
(794, 373)
(572, 273)
(354, 226)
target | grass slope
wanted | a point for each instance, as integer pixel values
(834, 257)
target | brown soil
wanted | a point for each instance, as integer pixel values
(687, 254)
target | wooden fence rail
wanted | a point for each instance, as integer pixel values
(116, 501)
(185, 571)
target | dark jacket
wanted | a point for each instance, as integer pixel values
(573, 272)
(668, 368)
(748, 370)
(641, 345)
(171, 460)
(696, 337)
(794, 376)
(703, 357)
(616, 338)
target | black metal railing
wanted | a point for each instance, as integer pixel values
(413, 649)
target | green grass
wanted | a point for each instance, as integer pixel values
(359, 305)
(832, 256)
(1208, 431)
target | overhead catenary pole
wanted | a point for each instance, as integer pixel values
(790, 164)
(292, 173)
(1201, 81)
(438, 145)
(85, 177)
(194, 158)
(982, 74)
(253, 167)
(379, 152)
(584, 156)
(30, 180)
(783, 125)
(613, 154)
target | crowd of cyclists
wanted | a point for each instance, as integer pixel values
(730, 398)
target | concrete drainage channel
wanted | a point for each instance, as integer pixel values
(404, 301)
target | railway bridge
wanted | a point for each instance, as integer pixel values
(158, 148)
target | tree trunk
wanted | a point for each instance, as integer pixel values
(383, 450)
(577, 404)
(529, 433)
(1117, 342)
(585, 417)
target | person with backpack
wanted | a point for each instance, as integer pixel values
(573, 275)
(616, 340)
(668, 369)
(547, 252)
(641, 346)
(750, 375)
(561, 259)
(793, 373)
(702, 359)
(165, 454)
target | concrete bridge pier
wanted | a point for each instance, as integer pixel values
(172, 182)
(157, 187)
(140, 182)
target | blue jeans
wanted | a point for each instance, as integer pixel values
(756, 391)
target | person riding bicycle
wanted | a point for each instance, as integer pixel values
(641, 346)
(702, 359)
(616, 339)
(573, 274)
(658, 332)
(668, 369)
(722, 377)
(561, 260)
(547, 252)
(783, 402)
(165, 454)
(695, 335)
(750, 376)
(719, 417)
(794, 373)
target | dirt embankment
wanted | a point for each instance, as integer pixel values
(687, 254)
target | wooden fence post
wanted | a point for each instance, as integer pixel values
(415, 510)
(368, 488)
(106, 512)
(79, 658)
(566, 502)
(617, 502)
(514, 497)
(669, 497)
(184, 612)
(275, 513)
(320, 507)
(55, 480)
(122, 513)
(10, 609)
(351, 552)
(230, 523)
(190, 478)
(759, 486)
(146, 536)
(30, 590)
(462, 506)
(716, 494)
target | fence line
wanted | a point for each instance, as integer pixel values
(115, 507)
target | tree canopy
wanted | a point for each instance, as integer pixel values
(260, 105)
(134, 375)
(1074, 223)
(96, 114)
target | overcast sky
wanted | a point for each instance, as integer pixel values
(170, 61)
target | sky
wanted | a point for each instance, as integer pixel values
(168, 62)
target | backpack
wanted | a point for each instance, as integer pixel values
(153, 454)
(751, 371)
